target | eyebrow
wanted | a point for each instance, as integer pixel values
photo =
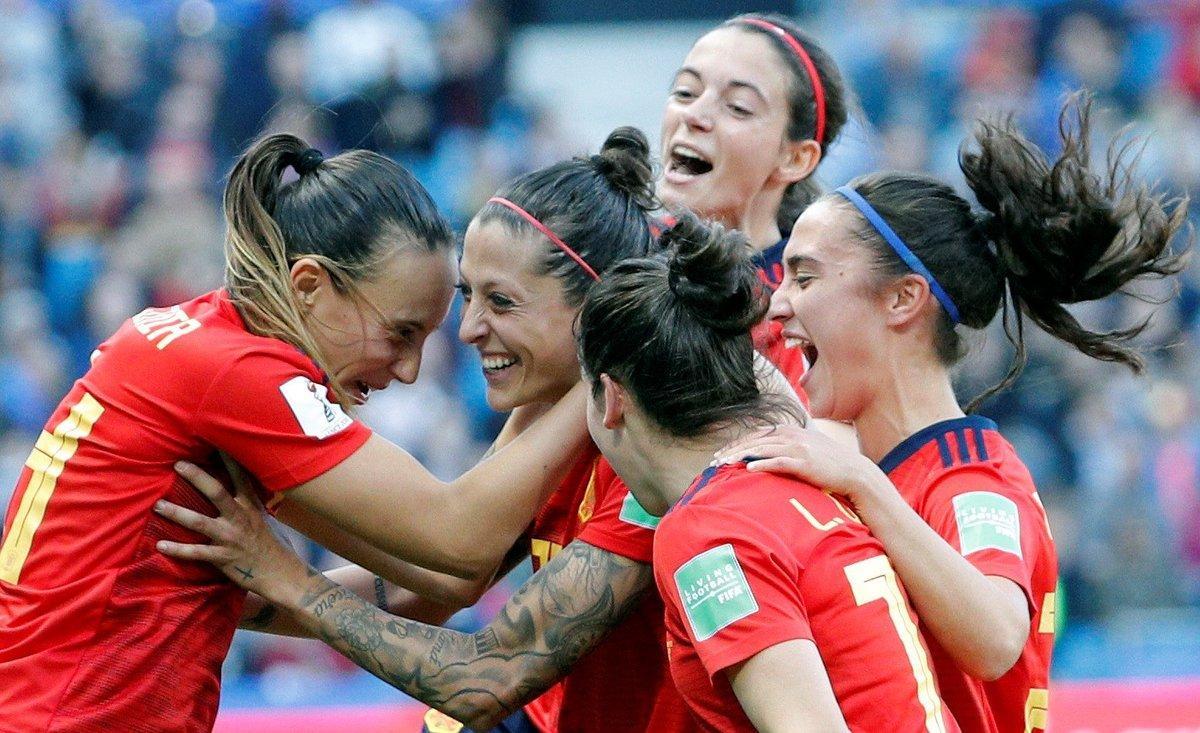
(736, 83)
(795, 262)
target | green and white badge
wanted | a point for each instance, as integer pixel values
(987, 521)
(714, 591)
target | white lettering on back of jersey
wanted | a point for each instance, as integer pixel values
(161, 326)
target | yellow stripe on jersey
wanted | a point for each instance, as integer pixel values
(1046, 624)
(874, 579)
(47, 461)
(1036, 705)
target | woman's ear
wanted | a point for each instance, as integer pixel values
(905, 299)
(308, 279)
(798, 160)
(616, 401)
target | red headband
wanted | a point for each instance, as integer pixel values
(807, 62)
(549, 234)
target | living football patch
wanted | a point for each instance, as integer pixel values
(987, 521)
(714, 591)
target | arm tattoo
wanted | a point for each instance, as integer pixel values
(381, 600)
(559, 615)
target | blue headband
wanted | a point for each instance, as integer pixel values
(901, 249)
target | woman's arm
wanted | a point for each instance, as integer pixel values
(559, 615)
(259, 614)
(464, 527)
(982, 621)
(785, 689)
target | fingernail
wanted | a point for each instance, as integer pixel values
(160, 505)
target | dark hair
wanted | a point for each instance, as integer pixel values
(347, 212)
(803, 118)
(674, 329)
(598, 205)
(1050, 234)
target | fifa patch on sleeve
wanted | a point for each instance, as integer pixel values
(310, 403)
(633, 513)
(987, 521)
(714, 591)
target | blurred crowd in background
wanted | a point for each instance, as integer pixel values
(118, 122)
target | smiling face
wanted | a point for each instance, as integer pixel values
(830, 304)
(724, 127)
(372, 337)
(516, 317)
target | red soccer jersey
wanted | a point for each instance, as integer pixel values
(966, 481)
(746, 561)
(622, 684)
(98, 630)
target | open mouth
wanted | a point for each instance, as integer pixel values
(688, 161)
(805, 346)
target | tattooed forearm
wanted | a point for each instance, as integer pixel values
(554, 619)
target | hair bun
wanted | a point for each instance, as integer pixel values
(307, 161)
(624, 161)
(710, 272)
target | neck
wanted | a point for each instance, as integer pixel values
(909, 395)
(673, 464)
(758, 222)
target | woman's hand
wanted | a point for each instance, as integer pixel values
(243, 545)
(810, 456)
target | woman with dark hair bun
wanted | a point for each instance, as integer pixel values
(333, 282)
(782, 611)
(586, 629)
(752, 111)
(881, 274)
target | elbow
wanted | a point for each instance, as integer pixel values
(477, 713)
(994, 661)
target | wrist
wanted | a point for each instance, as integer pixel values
(872, 493)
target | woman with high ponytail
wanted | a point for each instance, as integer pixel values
(884, 276)
(333, 281)
(579, 647)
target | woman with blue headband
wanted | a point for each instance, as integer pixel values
(882, 277)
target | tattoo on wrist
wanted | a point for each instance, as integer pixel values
(381, 600)
(246, 574)
(330, 601)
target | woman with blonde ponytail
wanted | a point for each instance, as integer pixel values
(333, 282)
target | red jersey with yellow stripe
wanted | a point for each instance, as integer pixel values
(966, 481)
(622, 685)
(746, 561)
(98, 630)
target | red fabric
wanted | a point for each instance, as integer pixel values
(622, 684)
(101, 631)
(947, 463)
(795, 572)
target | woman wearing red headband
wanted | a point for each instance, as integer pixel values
(592, 543)
(880, 275)
(587, 626)
(751, 113)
